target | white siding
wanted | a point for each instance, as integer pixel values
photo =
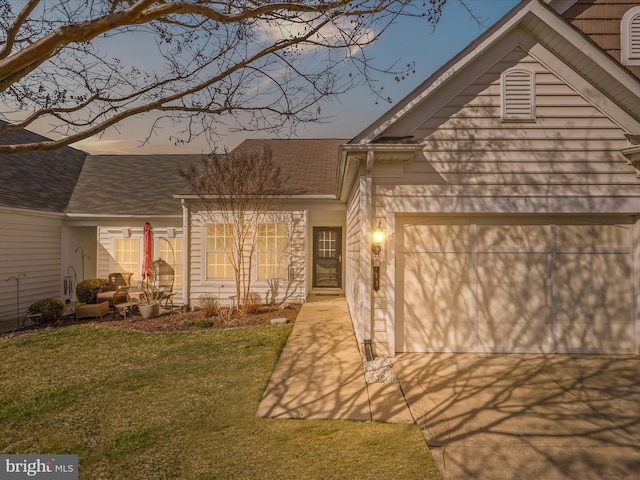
(105, 260)
(354, 277)
(567, 161)
(291, 289)
(30, 245)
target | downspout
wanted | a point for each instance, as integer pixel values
(369, 213)
(186, 278)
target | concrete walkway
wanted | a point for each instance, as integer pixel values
(320, 376)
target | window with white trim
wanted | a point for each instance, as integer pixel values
(630, 37)
(126, 257)
(518, 95)
(272, 250)
(219, 247)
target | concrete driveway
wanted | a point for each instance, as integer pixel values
(526, 416)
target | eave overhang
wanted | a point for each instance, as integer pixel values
(616, 88)
(632, 155)
(352, 155)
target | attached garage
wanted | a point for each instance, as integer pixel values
(516, 284)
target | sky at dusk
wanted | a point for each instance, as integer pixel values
(409, 40)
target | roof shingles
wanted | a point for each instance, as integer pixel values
(309, 163)
(131, 185)
(42, 181)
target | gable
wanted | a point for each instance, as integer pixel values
(535, 29)
(571, 144)
(600, 20)
(563, 113)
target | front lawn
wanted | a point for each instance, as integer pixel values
(181, 406)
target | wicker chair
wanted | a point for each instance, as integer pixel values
(117, 290)
(162, 276)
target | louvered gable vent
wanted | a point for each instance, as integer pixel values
(634, 37)
(518, 95)
(630, 37)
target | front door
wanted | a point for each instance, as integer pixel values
(327, 257)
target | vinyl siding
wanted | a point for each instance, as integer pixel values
(31, 245)
(571, 146)
(355, 245)
(566, 162)
(105, 260)
(270, 291)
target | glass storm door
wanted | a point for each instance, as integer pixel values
(327, 257)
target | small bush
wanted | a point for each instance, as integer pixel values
(253, 303)
(209, 305)
(203, 323)
(86, 290)
(186, 323)
(50, 308)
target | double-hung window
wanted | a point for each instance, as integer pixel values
(271, 250)
(126, 256)
(219, 249)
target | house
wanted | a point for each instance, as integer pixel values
(506, 186)
(503, 193)
(36, 189)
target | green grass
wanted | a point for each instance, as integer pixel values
(180, 406)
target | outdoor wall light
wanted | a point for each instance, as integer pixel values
(377, 237)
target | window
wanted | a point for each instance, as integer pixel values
(518, 95)
(630, 37)
(271, 250)
(171, 250)
(219, 247)
(126, 257)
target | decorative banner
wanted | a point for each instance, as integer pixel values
(47, 467)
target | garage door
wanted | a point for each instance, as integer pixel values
(514, 285)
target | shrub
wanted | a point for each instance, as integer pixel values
(209, 305)
(203, 323)
(50, 308)
(86, 290)
(253, 303)
(186, 323)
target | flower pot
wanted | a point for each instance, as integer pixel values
(149, 311)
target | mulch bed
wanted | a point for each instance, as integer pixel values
(176, 321)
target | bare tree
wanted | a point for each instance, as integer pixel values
(252, 64)
(239, 195)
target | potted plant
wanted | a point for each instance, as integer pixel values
(149, 305)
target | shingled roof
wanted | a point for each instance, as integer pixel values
(310, 164)
(131, 185)
(42, 181)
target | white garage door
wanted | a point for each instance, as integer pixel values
(514, 285)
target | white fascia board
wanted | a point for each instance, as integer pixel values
(88, 216)
(326, 196)
(351, 155)
(30, 212)
(560, 6)
(526, 13)
(448, 70)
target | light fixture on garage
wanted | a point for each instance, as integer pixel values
(377, 237)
